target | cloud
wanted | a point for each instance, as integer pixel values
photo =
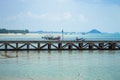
(52, 17)
(44, 16)
(24, 15)
(82, 17)
(48, 17)
(67, 16)
(34, 16)
(58, 16)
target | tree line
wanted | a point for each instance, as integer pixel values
(13, 31)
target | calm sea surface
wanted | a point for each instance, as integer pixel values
(66, 36)
(60, 65)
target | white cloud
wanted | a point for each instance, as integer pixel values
(34, 16)
(52, 17)
(44, 16)
(24, 15)
(67, 16)
(82, 17)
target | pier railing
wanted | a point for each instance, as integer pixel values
(60, 45)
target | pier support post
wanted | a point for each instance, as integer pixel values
(70, 46)
(80, 45)
(111, 46)
(16, 46)
(90, 46)
(38, 45)
(59, 46)
(28, 46)
(101, 45)
(5, 46)
(49, 46)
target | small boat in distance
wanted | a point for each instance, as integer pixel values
(50, 37)
(80, 39)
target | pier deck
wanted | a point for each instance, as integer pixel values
(60, 45)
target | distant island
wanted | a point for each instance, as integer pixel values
(94, 31)
(3, 30)
(13, 31)
(91, 31)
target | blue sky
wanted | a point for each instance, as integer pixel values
(55, 15)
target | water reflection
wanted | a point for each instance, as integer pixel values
(7, 54)
(28, 54)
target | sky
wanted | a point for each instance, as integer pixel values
(55, 15)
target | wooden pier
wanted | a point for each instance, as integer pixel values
(59, 45)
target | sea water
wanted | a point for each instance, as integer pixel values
(67, 36)
(60, 65)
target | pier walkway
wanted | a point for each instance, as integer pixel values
(59, 45)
